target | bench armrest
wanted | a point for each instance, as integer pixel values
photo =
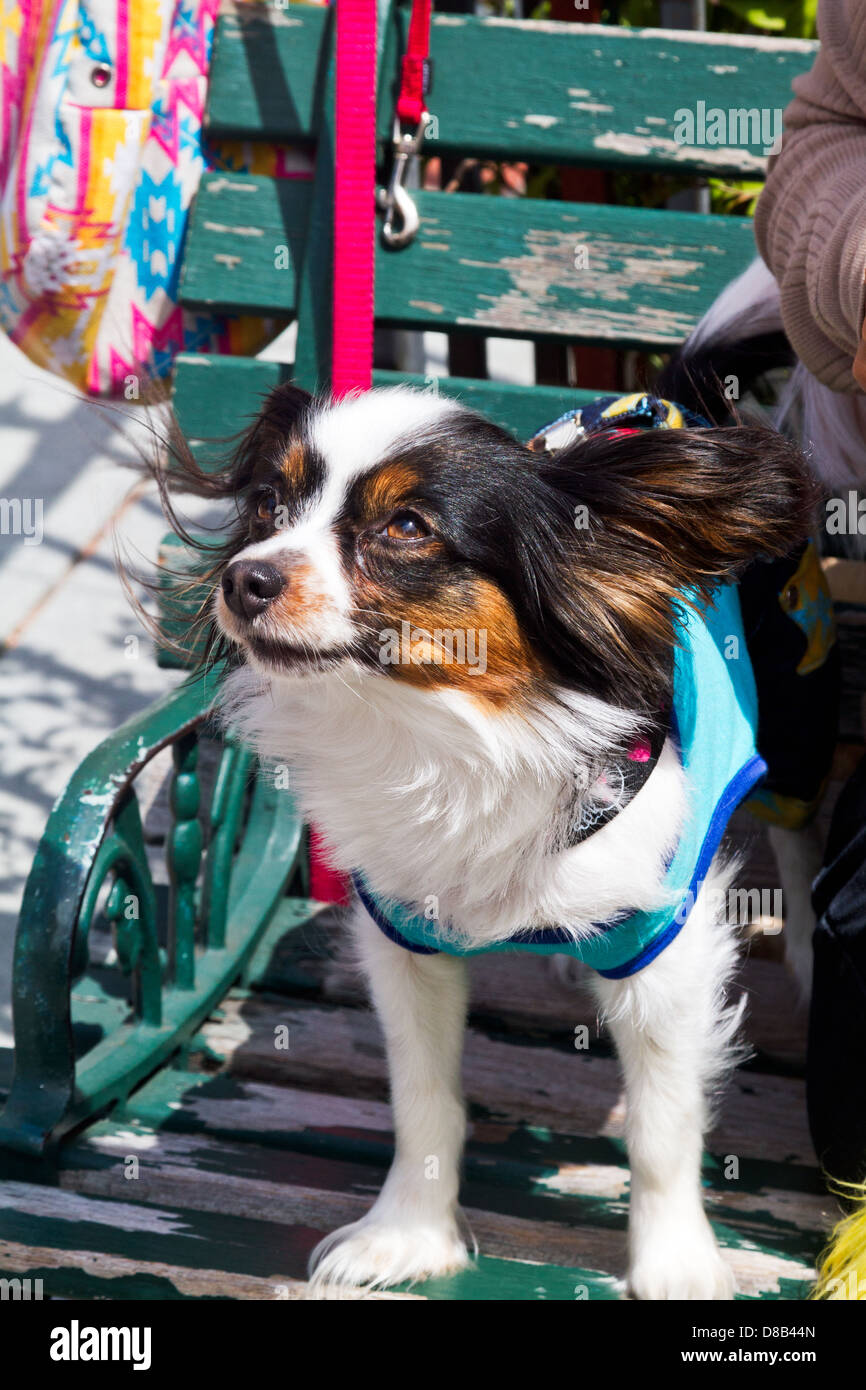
(179, 952)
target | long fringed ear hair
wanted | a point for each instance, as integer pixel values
(186, 591)
(648, 521)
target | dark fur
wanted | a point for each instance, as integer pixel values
(668, 511)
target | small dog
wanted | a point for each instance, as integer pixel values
(476, 657)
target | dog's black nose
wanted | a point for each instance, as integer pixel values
(250, 585)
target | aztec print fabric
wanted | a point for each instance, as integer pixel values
(101, 154)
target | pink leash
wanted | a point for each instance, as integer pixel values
(354, 197)
(354, 251)
(354, 237)
(415, 68)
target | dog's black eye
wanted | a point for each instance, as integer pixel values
(406, 526)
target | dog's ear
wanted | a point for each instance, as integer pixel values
(176, 469)
(282, 412)
(700, 503)
(656, 515)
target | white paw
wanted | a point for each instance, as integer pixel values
(375, 1253)
(680, 1269)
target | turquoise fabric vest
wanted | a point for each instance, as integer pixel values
(715, 713)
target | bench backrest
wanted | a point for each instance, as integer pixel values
(549, 93)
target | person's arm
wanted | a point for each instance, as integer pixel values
(811, 218)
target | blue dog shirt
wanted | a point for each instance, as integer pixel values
(715, 711)
(714, 725)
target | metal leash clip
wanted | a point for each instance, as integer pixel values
(395, 201)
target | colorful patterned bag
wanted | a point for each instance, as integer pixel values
(100, 156)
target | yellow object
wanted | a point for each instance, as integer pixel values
(842, 1268)
(790, 812)
(807, 601)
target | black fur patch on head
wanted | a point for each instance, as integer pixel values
(595, 547)
(581, 559)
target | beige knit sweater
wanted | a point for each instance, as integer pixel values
(811, 217)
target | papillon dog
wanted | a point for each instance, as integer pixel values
(466, 650)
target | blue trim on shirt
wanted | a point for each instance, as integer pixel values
(736, 791)
(387, 927)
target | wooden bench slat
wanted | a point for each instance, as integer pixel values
(245, 244)
(214, 397)
(590, 94)
(322, 1192)
(199, 1146)
(551, 1210)
(520, 409)
(514, 266)
(523, 994)
(574, 1092)
(577, 94)
(511, 266)
(272, 1247)
(47, 1216)
(281, 1117)
(248, 1127)
(194, 1172)
(265, 74)
(80, 1246)
(97, 1274)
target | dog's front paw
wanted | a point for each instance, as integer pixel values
(375, 1253)
(680, 1267)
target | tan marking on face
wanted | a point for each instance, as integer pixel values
(293, 465)
(299, 613)
(481, 650)
(387, 489)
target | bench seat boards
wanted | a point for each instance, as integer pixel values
(578, 94)
(519, 267)
(239, 1178)
(248, 1153)
(311, 962)
(203, 1175)
(585, 94)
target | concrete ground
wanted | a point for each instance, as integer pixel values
(68, 671)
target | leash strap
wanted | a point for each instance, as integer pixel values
(416, 66)
(410, 125)
(354, 197)
(353, 265)
(354, 235)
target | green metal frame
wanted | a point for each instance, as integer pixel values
(220, 902)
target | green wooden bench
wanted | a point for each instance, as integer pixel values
(163, 959)
(579, 95)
